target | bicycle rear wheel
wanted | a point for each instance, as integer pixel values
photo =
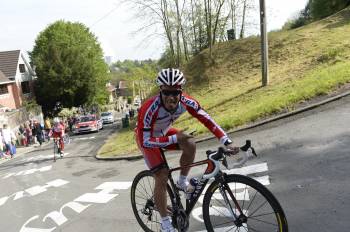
(142, 201)
(255, 206)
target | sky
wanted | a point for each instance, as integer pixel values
(113, 23)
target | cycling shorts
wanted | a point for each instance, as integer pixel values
(153, 156)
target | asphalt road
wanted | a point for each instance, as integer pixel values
(304, 160)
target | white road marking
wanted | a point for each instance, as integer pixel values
(104, 195)
(59, 218)
(247, 170)
(27, 172)
(41, 157)
(35, 190)
(114, 185)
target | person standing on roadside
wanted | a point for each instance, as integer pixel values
(47, 128)
(28, 133)
(8, 136)
(38, 132)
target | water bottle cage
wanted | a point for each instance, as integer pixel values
(197, 189)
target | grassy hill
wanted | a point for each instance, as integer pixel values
(303, 63)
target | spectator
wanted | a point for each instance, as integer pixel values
(47, 127)
(28, 133)
(38, 132)
(2, 154)
(21, 135)
(8, 136)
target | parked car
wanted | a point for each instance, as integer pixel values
(87, 123)
(107, 117)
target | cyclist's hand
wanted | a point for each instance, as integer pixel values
(232, 149)
(182, 137)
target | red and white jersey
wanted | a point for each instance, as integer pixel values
(58, 129)
(154, 121)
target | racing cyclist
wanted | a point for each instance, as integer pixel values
(154, 132)
(58, 132)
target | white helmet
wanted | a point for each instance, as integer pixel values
(170, 77)
(56, 120)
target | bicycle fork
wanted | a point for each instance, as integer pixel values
(241, 218)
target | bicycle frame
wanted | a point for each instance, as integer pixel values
(189, 203)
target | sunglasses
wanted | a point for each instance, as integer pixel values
(173, 93)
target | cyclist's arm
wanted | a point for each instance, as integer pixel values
(146, 119)
(196, 111)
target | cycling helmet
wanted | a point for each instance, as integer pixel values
(56, 120)
(170, 77)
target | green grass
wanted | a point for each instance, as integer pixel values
(304, 63)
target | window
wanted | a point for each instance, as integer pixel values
(22, 68)
(3, 89)
(25, 87)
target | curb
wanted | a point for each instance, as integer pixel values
(276, 118)
(286, 115)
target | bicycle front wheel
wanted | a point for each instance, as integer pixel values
(142, 201)
(66, 139)
(242, 204)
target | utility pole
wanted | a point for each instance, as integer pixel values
(264, 46)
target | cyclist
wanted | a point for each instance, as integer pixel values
(58, 132)
(154, 132)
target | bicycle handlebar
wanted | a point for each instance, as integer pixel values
(221, 153)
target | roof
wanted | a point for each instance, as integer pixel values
(111, 88)
(8, 62)
(4, 79)
(122, 85)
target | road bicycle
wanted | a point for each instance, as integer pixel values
(56, 148)
(232, 202)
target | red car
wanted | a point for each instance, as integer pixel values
(87, 123)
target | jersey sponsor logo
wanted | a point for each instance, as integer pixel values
(189, 102)
(150, 112)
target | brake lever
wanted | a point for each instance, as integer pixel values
(253, 151)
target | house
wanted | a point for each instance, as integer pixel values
(16, 79)
(122, 89)
(112, 93)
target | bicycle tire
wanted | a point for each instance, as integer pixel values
(66, 139)
(55, 150)
(250, 186)
(138, 207)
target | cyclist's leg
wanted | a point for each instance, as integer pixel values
(155, 162)
(61, 144)
(188, 151)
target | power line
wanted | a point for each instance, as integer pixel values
(104, 16)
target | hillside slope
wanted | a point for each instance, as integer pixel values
(303, 63)
(306, 62)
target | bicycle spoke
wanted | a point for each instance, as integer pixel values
(260, 215)
(258, 208)
(269, 223)
(143, 193)
(143, 186)
(251, 202)
(144, 189)
(139, 197)
(245, 191)
(251, 228)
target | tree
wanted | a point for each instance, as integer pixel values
(322, 8)
(70, 67)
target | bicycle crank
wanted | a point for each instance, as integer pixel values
(182, 221)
